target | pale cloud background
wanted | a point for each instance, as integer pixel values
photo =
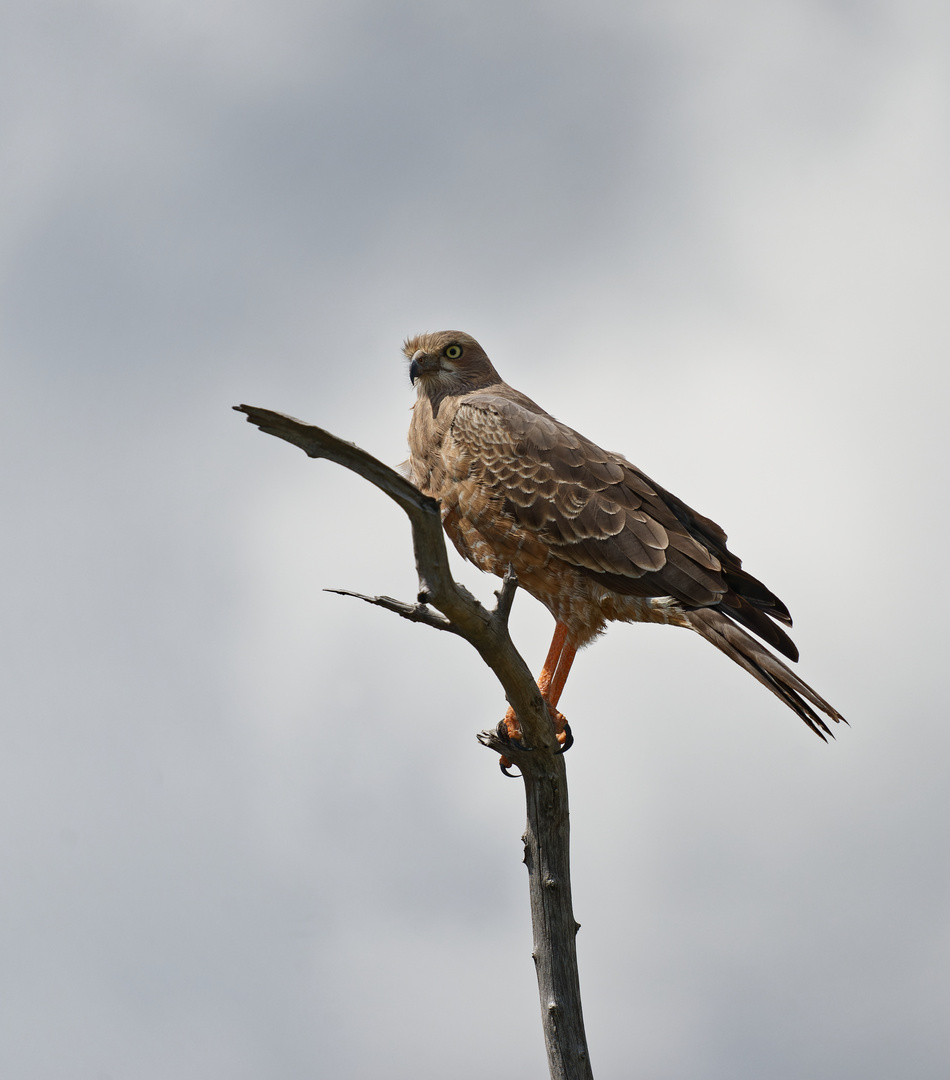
(246, 829)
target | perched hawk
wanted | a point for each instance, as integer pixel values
(587, 533)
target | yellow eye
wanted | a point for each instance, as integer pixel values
(453, 352)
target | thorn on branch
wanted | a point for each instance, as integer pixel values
(413, 612)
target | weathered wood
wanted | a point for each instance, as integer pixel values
(548, 860)
(413, 612)
(547, 837)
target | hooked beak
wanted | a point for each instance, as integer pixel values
(416, 366)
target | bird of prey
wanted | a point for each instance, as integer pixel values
(586, 532)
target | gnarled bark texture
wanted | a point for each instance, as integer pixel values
(547, 837)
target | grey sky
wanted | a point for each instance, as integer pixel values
(246, 828)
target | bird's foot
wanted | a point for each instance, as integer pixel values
(562, 729)
(510, 730)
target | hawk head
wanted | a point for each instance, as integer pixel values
(448, 362)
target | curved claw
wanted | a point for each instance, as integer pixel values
(502, 731)
(568, 739)
(505, 767)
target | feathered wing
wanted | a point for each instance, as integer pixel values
(592, 509)
(597, 512)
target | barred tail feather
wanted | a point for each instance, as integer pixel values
(748, 653)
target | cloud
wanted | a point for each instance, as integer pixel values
(246, 823)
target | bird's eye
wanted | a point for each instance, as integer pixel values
(453, 352)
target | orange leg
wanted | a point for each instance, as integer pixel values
(553, 696)
(557, 666)
(551, 661)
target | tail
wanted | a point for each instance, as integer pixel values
(739, 646)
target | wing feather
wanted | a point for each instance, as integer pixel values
(597, 512)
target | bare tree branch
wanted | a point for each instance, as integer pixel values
(419, 613)
(506, 595)
(547, 836)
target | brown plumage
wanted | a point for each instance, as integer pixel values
(587, 533)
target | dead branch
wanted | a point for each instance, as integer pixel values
(413, 612)
(547, 837)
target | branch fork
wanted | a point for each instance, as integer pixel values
(546, 837)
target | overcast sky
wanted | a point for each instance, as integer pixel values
(247, 831)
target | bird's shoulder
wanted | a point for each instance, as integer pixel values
(505, 424)
(502, 411)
